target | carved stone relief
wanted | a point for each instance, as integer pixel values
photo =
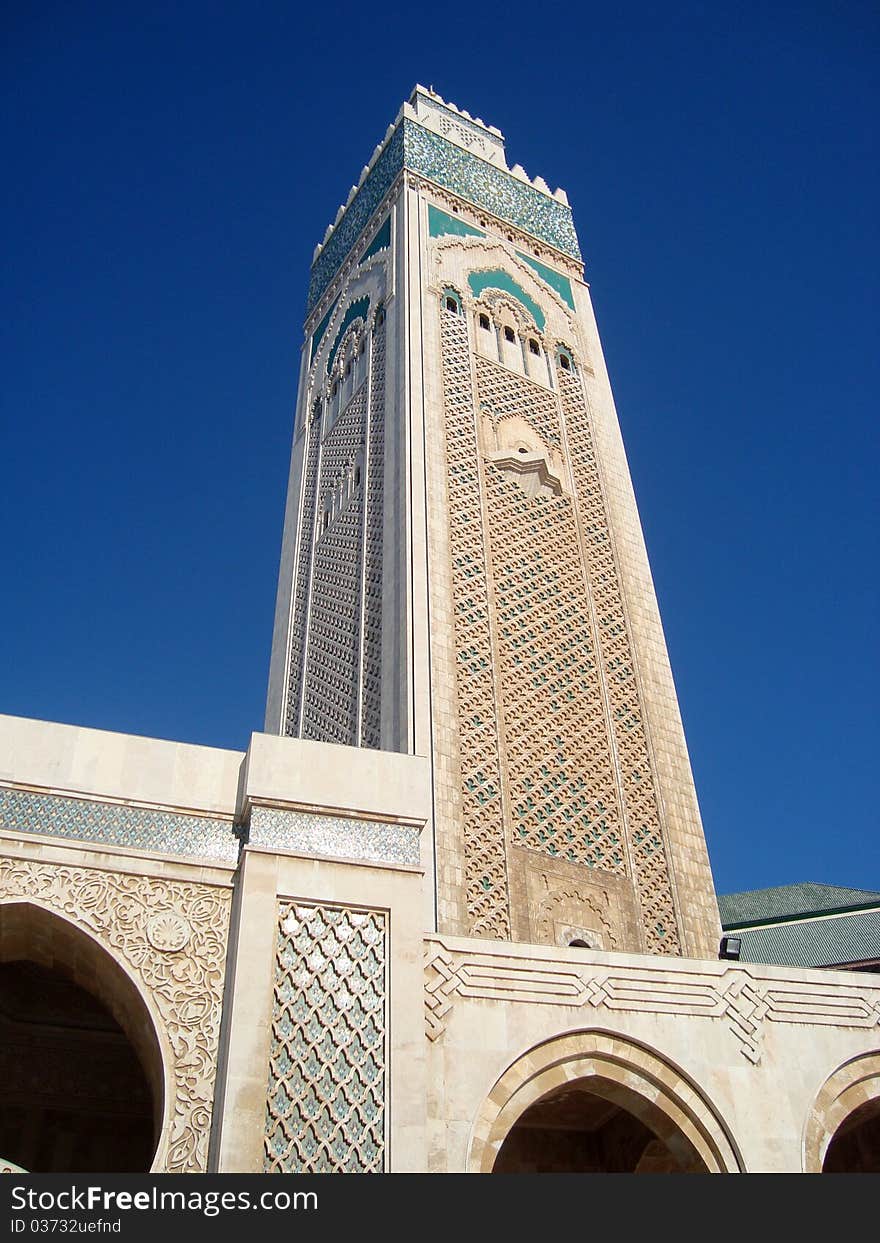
(171, 936)
(739, 995)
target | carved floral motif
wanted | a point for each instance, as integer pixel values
(143, 920)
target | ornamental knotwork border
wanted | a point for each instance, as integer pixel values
(737, 996)
(171, 935)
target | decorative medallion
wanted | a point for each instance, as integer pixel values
(168, 932)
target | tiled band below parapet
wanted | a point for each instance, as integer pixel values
(114, 824)
(337, 837)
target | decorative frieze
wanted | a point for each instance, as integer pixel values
(739, 995)
(334, 837)
(448, 165)
(118, 824)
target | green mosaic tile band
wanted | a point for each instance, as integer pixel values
(498, 192)
(335, 836)
(112, 824)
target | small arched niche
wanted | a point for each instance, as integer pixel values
(81, 1088)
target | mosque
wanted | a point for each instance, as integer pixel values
(452, 910)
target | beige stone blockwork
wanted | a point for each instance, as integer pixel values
(295, 772)
(71, 759)
(741, 1052)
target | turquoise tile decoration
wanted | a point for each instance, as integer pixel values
(360, 306)
(484, 185)
(325, 1096)
(498, 279)
(320, 330)
(381, 241)
(356, 217)
(555, 280)
(113, 824)
(441, 223)
(435, 158)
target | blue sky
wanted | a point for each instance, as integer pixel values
(167, 175)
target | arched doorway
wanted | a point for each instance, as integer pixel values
(855, 1145)
(598, 1101)
(80, 1063)
(842, 1134)
(586, 1128)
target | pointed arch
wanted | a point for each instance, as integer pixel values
(32, 932)
(852, 1087)
(623, 1071)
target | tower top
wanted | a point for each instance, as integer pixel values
(456, 125)
(460, 153)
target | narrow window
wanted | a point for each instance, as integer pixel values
(564, 362)
(357, 476)
(533, 346)
(452, 305)
(334, 388)
(509, 334)
(347, 370)
(484, 322)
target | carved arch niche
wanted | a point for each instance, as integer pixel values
(82, 1080)
(596, 1101)
(842, 1133)
(150, 952)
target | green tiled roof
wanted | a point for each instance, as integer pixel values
(815, 942)
(760, 906)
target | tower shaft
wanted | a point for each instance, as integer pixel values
(463, 569)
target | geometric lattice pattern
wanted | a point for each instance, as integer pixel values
(371, 676)
(330, 702)
(554, 753)
(325, 1107)
(504, 393)
(303, 572)
(560, 773)
(486, 881)
(200, 837)
(637, 778)
(334, 680)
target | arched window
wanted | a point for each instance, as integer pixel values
(484, 322)
(451, 302)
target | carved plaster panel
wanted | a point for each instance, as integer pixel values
(171, 936)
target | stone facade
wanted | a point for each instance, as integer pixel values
(453, 910)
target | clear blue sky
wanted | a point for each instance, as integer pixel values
(168, 170)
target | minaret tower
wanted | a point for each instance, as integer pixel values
(463, 573)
